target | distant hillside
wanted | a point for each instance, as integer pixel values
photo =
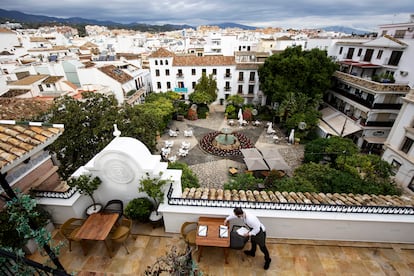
(234, 25)
(346, 30)
(16, 16)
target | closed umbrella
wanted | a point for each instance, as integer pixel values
(251, 153)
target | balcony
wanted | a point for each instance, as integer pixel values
(372, 85)
(180, 76)
(240, 80)
(367, 103)
(227, 88)
(227, 75)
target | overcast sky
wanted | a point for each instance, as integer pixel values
(359, 14)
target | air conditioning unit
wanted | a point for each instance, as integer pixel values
(403, 73)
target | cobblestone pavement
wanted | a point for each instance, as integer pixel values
(211, 170)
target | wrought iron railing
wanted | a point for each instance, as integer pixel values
(8, 265)
(394, 210)
(52, 194)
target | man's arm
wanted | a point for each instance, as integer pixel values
(229, 218)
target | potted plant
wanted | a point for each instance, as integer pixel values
(139, 209)
(153, 187)
(87, 185)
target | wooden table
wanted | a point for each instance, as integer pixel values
(212, 238)
(96, 228)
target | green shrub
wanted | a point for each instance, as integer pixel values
(139, 209)
(188, 178)
(243, 182)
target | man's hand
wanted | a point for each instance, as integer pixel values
(225, 222)
(246, 234)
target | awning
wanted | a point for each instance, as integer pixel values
(251, 153)
(256, 164)
(360, 64)
(271, 153)
(277, 164)
(339, 123)
(375, 140)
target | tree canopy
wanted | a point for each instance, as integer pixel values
(89, 125)
(296, 80)
(205, 91)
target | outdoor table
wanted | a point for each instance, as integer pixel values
(96, 228)
(233, 171)
(212, 237)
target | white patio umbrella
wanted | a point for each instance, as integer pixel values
(292, 136)
(240, 116)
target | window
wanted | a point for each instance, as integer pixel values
(167, 72)
(340, 50)
(156, 62)
(193, 84)
(157, 72)
(395, 58)
(193, 72)
(411, 184)
(252, 76)
(399, 34)
(368, 54)
(379, 55)
(40, 87)
(350, 53)
(168, 85)
(227, 87)
(160, 62)
(240, 76)
(48, 85)
(227, 73)
(158, 85)
(359, 52)
(251, 89)
(181, 84)
(214, 71)
(240, 89)
(166, 62)
(180, 73)
(408, 143)
(204, 71)
(395, 165)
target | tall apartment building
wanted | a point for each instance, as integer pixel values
(180, 73)
(373, 78)
(399, 149)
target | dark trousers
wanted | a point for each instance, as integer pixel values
(260, 239)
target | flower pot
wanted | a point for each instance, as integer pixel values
(156, 219)
(92, 209)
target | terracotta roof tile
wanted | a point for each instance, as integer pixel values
(298, 197)
(22, 109)
(203, 61)
(115, 73)
(161, 52)
(19, 138)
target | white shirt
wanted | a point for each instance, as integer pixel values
(250, 220)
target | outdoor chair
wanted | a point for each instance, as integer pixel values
(122, 233)
(189, 232)
(70, 228)
(114, 206)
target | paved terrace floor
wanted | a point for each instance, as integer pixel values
(289, 257)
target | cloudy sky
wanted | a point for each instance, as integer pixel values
(359, 14)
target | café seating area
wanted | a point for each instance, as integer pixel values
(146, 244)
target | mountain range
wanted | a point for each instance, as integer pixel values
(20, 17)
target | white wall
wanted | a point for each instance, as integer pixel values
(307, 225)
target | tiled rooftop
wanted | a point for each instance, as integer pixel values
(22, 109)
(298, 197)
(204, 60)
(19, 138)
(115, 73)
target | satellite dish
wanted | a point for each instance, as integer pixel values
(254, 112)
(302, 125)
